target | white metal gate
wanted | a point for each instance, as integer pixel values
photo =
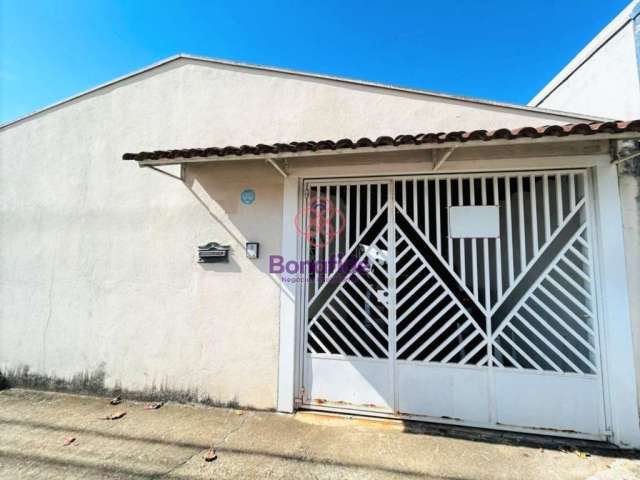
(402, 318)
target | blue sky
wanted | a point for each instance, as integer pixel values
(500, 50)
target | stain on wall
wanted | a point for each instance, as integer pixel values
(93, 383)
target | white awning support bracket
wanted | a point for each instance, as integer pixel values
(440, 156)
(181, 177)
(281, 170)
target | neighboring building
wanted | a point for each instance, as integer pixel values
(490, 293)
(604, 79)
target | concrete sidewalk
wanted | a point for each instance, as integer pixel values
(171, 442)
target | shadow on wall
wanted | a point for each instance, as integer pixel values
(218, 189)
(93, 383)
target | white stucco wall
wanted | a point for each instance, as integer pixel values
(98, 257)
(629, 178)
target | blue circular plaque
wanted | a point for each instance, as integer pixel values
(248, 196)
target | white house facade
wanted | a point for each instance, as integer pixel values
(362, 248)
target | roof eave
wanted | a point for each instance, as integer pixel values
(390, 148)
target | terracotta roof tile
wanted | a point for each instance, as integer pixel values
(385, 141)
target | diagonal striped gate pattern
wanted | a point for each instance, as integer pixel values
(523, 300)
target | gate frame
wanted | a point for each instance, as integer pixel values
(615, 345)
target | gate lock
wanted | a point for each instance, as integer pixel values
(383, 297)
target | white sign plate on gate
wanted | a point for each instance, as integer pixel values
(474, 222)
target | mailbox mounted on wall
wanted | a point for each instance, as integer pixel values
(213, 252)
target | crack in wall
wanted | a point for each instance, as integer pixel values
(48, 320)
